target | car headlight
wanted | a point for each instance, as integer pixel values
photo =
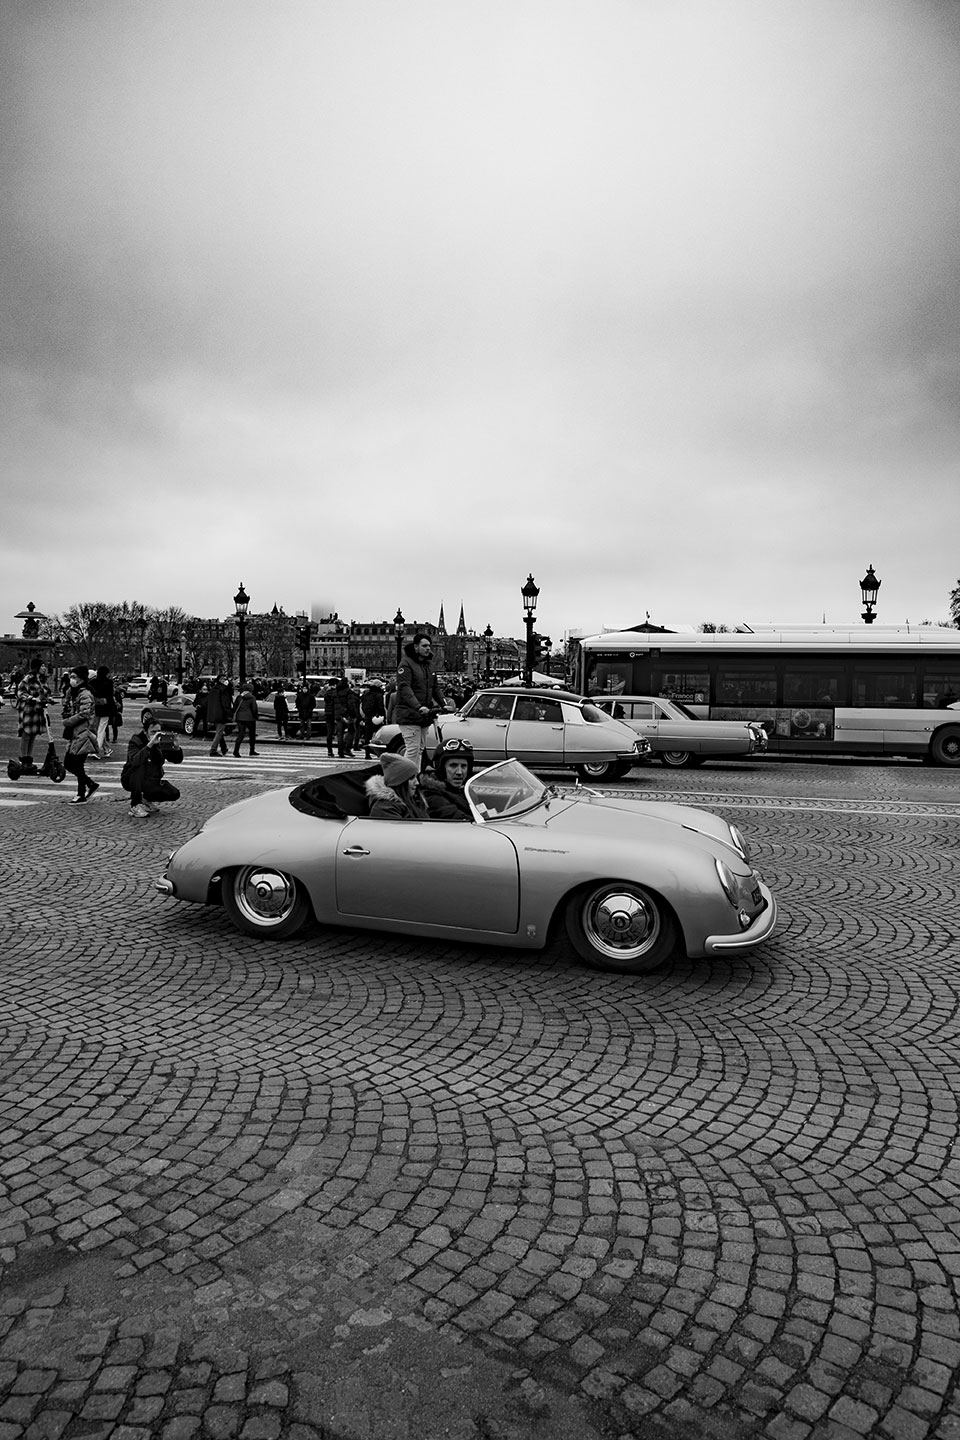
(739, 844)
(729, 882)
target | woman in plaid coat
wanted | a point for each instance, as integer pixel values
(33, 692)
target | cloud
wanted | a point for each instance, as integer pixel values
(654, 299)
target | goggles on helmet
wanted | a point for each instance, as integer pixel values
(450, 747)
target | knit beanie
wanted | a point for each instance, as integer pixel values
(396, 769)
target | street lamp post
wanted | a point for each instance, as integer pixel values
(529, 591)
(487, 643)
(142, 625)
(242, 602)
(183, 641)
(869, 586)
(398, 627)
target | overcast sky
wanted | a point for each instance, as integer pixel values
(380, 303)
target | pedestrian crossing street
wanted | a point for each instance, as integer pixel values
(278, 765)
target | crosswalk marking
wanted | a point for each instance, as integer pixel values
(283, 765)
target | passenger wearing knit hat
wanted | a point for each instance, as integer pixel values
(396, 769)
(396, 794)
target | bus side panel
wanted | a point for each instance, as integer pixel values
(894, 732)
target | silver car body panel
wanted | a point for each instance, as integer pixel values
(667, 728)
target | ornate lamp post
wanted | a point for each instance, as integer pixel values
(529, 591)
(487, 642)
(142, 625)
(242, 603)
(398, 628)
(183, 641)
(869, 586)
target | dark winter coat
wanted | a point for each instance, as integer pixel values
(416, 685)
(142, 773)
(444, 802)
(218, 704)
(245, 708)
(386, 804)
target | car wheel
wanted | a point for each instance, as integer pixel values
(598, 770)
(945, 746)
(263, 901)
(189, 724)
(679, 759)
(396, 746)
(620, 926)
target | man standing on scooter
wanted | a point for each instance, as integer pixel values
(33, 692)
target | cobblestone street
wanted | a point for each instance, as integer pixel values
(364, 1187)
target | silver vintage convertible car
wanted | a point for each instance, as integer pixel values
(631, 881)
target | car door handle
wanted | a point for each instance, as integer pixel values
(356, 850)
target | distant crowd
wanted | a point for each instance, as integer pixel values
(93, 713)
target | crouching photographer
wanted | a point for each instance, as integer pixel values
(142, 773)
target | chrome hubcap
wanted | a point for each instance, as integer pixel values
(621, 924)
(266, 896)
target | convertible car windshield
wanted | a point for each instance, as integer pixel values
(504, 790)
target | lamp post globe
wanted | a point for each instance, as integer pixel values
(241, 603)
(869, 586)
(398, 628)
(530, 590)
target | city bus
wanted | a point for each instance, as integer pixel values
(815, 689)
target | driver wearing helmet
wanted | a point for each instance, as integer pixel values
(443, 790)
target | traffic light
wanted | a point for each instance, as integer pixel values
(303, 637)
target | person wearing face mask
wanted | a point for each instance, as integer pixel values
(443, 790)
(419, 697)
(79, 728)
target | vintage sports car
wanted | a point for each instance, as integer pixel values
(677, 736)
(631, 881)
(549, 728)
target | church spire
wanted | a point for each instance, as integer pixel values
(461, 623)
(441, 623)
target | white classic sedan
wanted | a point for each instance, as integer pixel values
(548, 729)
(678, 737)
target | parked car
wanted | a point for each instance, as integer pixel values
(677, 736)
(137, 687)
(178, 712)
(267, 715)
(631, 882)
(553, 729)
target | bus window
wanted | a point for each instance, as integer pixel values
(736, 686)
(689, 686)
(939, 690)
(608, 677)
(887, 688)
(812, 687)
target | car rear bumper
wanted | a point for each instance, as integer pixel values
(761, 929)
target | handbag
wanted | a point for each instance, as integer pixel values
(84, 744)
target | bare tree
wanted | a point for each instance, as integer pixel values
(955, 605)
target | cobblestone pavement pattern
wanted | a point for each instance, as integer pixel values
(366, 1187)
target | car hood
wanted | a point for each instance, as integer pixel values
(608, 816)
(265, 809)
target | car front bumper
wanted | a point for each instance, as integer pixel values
(761, 929)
